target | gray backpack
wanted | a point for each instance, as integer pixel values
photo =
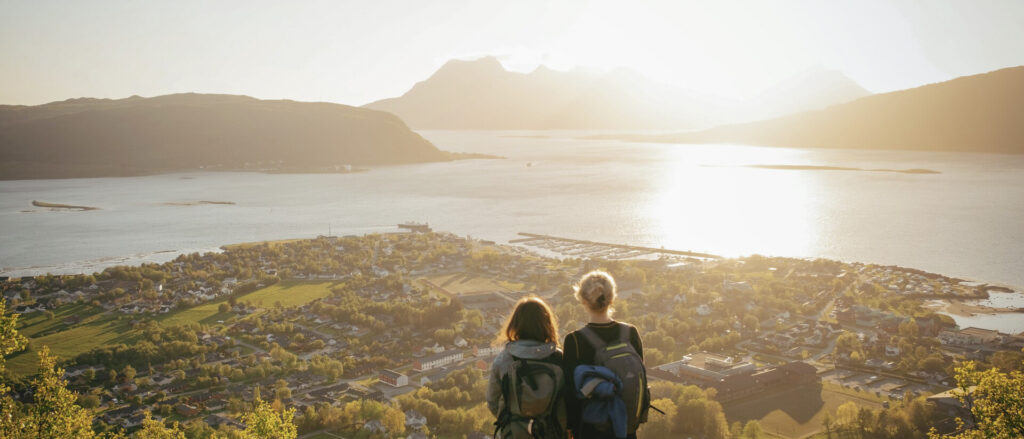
(620, 357)
(533, 405)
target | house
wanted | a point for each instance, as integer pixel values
(892, 351)
(393, 378)
(375, 426)
(134, 420)
(216, 421)
(186, 410)
(969, 336)
(487, 351)
(703, 310)
(216, 405)
(437, 360)
(414, 420)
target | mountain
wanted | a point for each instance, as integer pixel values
(103, 137)
(805, 91)
(978, 113)
(481, 94)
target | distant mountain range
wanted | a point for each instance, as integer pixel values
(808, 90)
(103, 137)
(978, 113)
(481, 94)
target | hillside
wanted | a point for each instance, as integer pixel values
(978, 113)
(133, 136)
(806, 91)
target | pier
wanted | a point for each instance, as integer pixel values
(578, 247)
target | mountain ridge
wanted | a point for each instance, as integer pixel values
(482, 94)
(88, 137)
(974, 113)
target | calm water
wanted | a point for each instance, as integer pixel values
(967, 221)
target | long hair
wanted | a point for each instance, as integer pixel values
(597, 291)
(531, 319)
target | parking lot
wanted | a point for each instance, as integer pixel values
(893, 388)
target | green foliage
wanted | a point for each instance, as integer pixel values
(53, 414)
(995, 400)
(266, 423)
(153, 429)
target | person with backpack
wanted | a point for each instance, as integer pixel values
(606, 382)
(526, 384)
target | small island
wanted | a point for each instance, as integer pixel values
(197, 203)
(841, 168)
(62, 206)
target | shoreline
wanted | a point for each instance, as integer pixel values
(78, 267)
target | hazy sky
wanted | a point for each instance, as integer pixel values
(356, 52)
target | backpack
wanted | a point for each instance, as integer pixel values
(620, 357)
(533, 405)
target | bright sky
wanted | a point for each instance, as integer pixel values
(355, 52)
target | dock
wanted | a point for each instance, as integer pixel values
(580, 246)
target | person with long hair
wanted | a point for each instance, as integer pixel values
(530, 336)
(596, 292)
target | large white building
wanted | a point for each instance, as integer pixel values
(437, 360)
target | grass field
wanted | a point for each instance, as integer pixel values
(798, 412)
(93, 331)
(97, 329)
(287, 293)
(467, 283)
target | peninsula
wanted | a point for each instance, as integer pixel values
(188, 132)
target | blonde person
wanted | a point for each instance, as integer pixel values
(611, 345)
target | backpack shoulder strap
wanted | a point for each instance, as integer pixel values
(624, 333)
(592, 338)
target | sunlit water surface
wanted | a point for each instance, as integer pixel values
(967, 221)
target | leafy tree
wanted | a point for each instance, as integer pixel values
(266, 423)
(129, 373)
(752, 430)
(54, 413)
(995, 401)
(154, 429)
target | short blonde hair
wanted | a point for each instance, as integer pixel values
(597, 291)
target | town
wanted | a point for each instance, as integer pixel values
(391, 335)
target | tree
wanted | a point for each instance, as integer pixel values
(154, 429)
(265, 423)
(827, 423)
(54, 413)
(995, 401)
(846, 414)
(394, 421)
(658, 425)
(129, 373)
(752, 430)
(223, 307)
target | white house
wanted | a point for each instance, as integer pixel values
(437, 360)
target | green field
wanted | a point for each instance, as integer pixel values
(98, 329)
(468, 283)
(287, 293)
(95, 330)
(798, 412)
